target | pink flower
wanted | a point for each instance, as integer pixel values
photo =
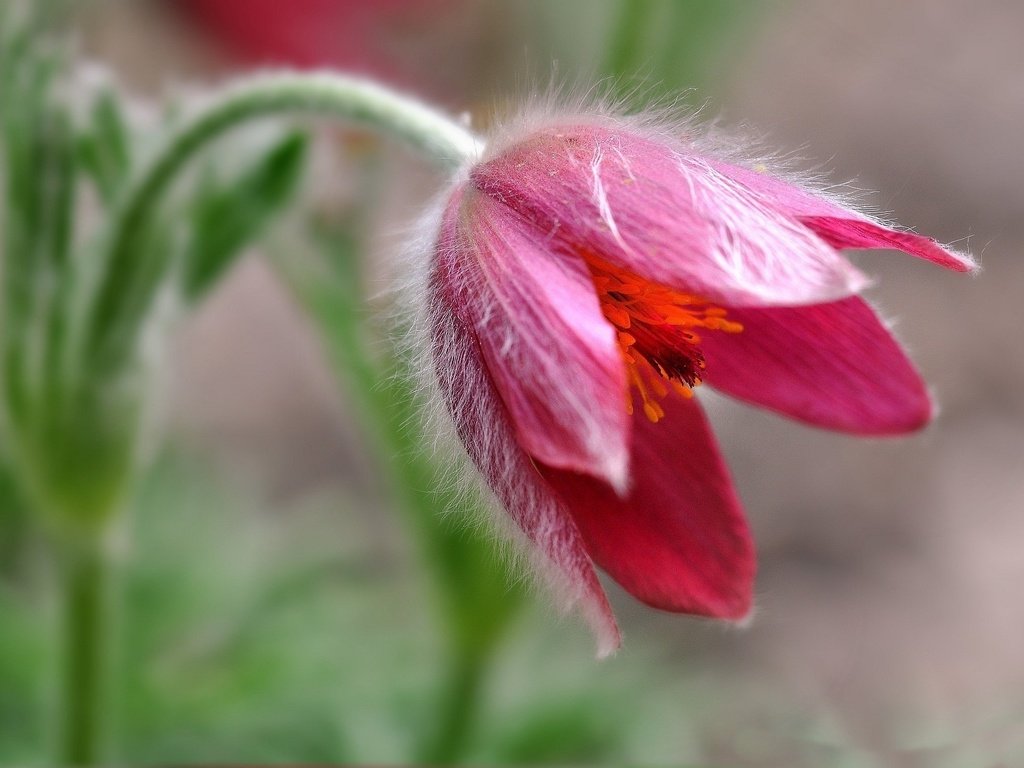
(587, 277)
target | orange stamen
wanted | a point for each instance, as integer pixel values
(656, 333)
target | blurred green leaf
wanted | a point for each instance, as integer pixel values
(291, 634)
(628, 44)
(105, 149)
(14, 522)
(228, 216)
(660, 48)
(29, 155)
(68, 452)
(695, 44)
(580, 731)
(23, 660)
(221, 218)
(257, 635)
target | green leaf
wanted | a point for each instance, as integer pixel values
(658, 48)
(105, 150)
(580, 731)
(24, 90)
(126, 315)
(40, 178)
(228, 217)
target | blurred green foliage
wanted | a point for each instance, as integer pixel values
(73, 390)
(649, 50)
(228, 215)
(264, 631)
(475, 592)
(674, 45)
(105, 147)
(294, 634)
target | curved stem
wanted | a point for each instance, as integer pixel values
(437, 136)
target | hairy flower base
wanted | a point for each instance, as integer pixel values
(582, 267)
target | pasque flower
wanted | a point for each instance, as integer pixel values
(588, 275)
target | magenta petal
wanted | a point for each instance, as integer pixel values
(858, 233)
(665, 214)
(483, 425)
(679, 540)
(832, 365)
(838, 226)
(549, 350)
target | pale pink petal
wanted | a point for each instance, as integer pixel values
(484, 427)
(549, 350)
(832, 365)
(666, 215)
(841, 227)
(679, 540)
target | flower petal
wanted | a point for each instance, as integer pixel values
(841, 227)
(483, 424)
(858, 233)
(549, 350)
(832, 365)
(679, 540)
(666, 215)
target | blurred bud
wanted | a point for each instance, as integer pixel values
(381, 38)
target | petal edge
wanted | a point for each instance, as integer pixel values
(679, 541)
(549, 350)
(830, 365)
(484, 429)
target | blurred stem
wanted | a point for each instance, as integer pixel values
(85, 572)
(626, 37)
(436, 135)
(476, 595)
(458, 708)
(470, 651)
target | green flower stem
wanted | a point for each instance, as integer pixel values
(86, 622)
(437, 136)
(476, 597)
(458, 709)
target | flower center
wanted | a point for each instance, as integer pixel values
(657, 330)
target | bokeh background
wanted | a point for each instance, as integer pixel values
(276, 600)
